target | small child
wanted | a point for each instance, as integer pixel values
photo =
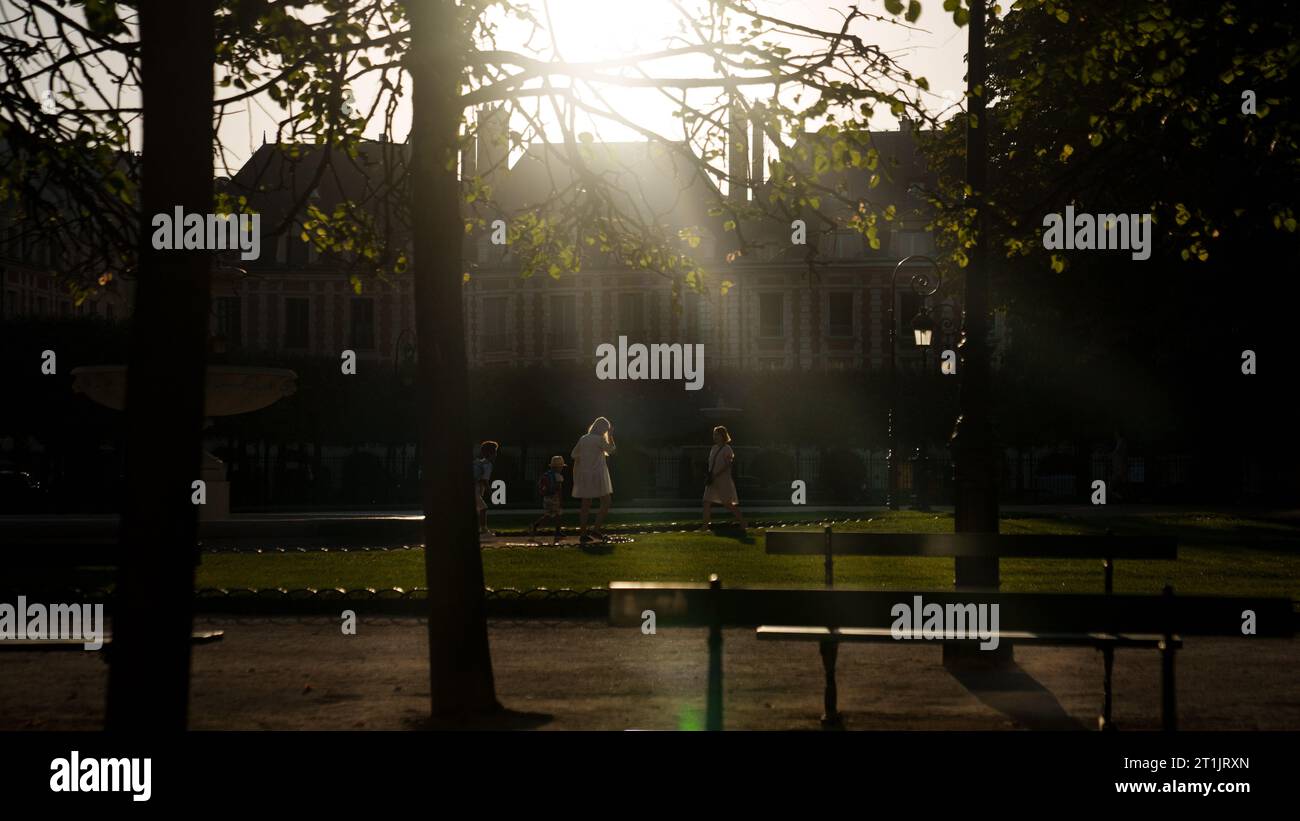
(487, 453)
(550, 486)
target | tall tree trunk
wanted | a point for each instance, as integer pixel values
(460, 665)
(148, 685)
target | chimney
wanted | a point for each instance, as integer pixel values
(737, 154)
(469, 156)
(493, 140)
(757, 167)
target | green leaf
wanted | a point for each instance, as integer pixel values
(913, 11)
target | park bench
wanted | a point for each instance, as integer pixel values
(1108, 548)
(57, 645)
(1067, 619)
(36, 567)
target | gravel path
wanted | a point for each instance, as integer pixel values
(291, 674)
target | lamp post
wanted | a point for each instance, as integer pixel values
(925, 327)
(923, 285)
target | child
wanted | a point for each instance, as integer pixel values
(487, 452)
(550, 486)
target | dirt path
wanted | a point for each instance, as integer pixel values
(293, 674)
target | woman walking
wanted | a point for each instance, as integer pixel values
(720, 487)
(591, 475)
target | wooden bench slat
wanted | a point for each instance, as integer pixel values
(37, 645)
(882, 634)
(951, 545)
(696, 605)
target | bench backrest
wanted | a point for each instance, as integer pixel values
(988, 545)
(698, 605)
(1108, 548)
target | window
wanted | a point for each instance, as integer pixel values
(65, 308)
(841, 314)
(228, 321)
(631, 316)
(913, 242)
(295, 322)
(496, 326)
(771, 314)
(563, 330)
(843, 244)
(363, 323)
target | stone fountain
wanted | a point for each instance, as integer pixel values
(230, 390)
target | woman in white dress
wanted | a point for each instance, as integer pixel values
(591, 474)
(720, 487)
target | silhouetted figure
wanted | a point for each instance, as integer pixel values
(591, 474)
(720, 486)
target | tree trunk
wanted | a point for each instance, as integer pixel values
(460, 666)
(148, 684)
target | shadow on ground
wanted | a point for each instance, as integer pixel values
(1017, 695)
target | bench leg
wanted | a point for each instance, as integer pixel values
(1168, 690)
(713, 706)
(1107, 690)
(831, 718)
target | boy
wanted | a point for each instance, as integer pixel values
(487, 452)
(550, 486)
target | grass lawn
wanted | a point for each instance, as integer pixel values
(1229, 554)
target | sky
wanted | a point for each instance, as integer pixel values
(934, 47)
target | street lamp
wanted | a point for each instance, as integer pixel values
(922, 328)
(923, 285)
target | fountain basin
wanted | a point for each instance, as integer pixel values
(230, 389)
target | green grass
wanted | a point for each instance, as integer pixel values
(1219, 553)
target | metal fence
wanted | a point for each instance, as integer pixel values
(389, 476)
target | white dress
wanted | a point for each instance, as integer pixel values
(722, 490)
(590, 471)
